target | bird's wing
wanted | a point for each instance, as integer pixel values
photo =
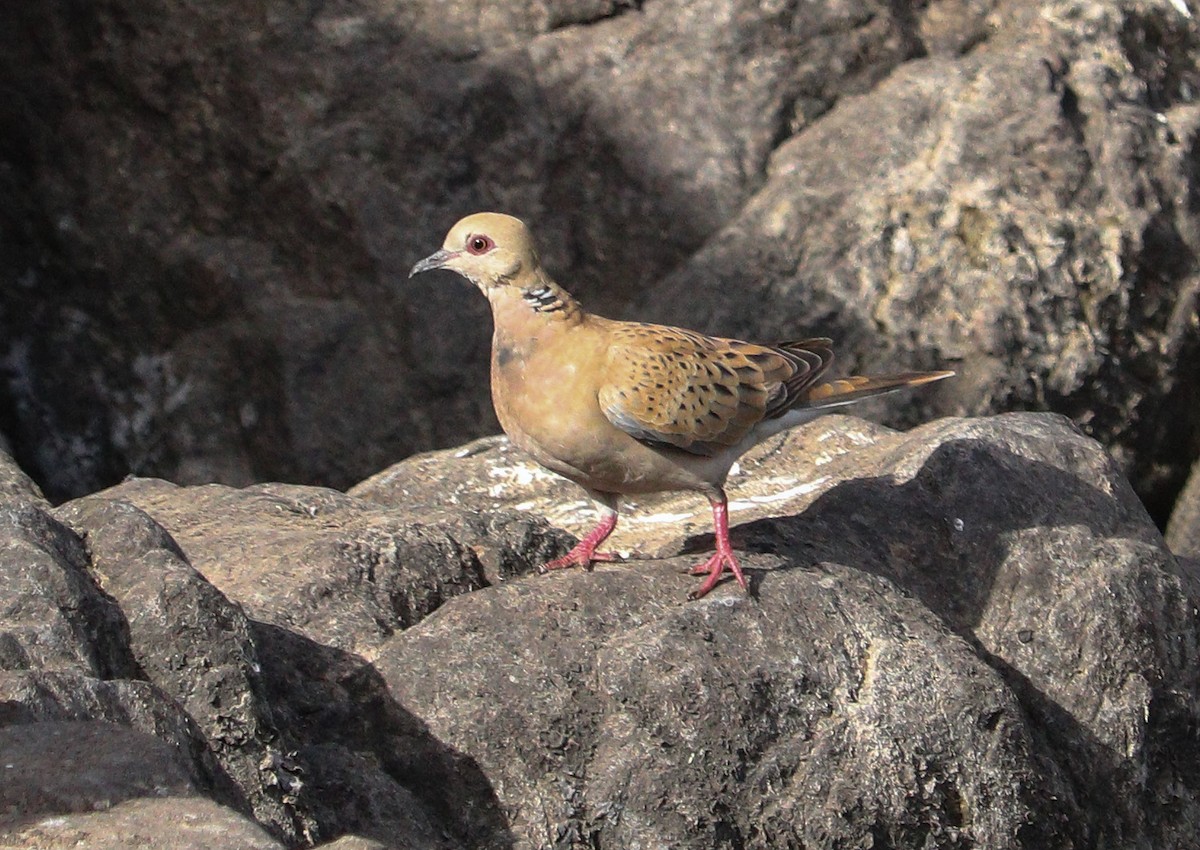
(672, 387)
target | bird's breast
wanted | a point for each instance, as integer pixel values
(545, 392)
(545, 396)
(538, 390)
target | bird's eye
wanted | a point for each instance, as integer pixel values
(479, 244)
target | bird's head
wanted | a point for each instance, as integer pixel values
(488, 249)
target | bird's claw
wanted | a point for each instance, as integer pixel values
(577, 557)
(714, 567)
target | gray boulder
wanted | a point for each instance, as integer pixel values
(967, 635)
(15, 485)
(1183, 532)
(105, 619)
(101, 785)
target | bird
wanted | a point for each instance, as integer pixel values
(625, 408)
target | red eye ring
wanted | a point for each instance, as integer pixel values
(477, 244)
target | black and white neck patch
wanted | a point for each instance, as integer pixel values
(542, 299)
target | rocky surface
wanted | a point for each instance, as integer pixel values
(208, 212)
(102, 785)
(1183, 532)
(967, 635)
(975, 588)
(194, 824)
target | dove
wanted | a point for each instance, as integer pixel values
(626, 408)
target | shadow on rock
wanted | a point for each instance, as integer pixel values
(941, 535)
(367, 765)
(1059, 586)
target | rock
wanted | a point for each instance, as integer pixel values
(100, 785)
(280, 251)
(485, 478)
(306, 729)
(40, 697)
(15, 485)
(116, 624)
(55, 618)
(194, 824)
(1009, 213)
(620, 715)
(191, 641)
(209, 211)
(341, 571)
(1183, 532)
(967, 635)
(355, 842)
(59, 767)
(65, 650)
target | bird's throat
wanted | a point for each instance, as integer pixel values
(547, 299)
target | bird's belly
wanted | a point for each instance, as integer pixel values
(564, 430)
(621, 466)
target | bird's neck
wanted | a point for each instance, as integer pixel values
(538, 298)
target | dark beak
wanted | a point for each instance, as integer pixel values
(436, 260)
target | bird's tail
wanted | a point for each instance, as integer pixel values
(857, 387)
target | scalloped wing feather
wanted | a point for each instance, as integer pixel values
(673, 387)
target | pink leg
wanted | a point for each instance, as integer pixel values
(723, 557)
(585, 552)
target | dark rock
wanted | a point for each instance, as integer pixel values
(368, 765)
(65, 648)
(611, 713)
(54, 616)
(38, 697)
(57, 767)
(188, 639)
(15, 485)
(1019, 213)
(308, 731)
(117, 625)
(339, 570)
(970, 635)
(1183, 532)
(64, 645)
(967, 635)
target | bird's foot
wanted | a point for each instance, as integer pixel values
(584, 554)
(580, 556)
(714, 567)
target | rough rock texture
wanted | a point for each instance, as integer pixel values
(65, 648)
(321, 576)
(1025, 212)
(148, 823)
(208, 210)
(99, 785)
(968, 635)
(106, 618)
(994, 649)
(15, 485)
(62, 767)
(341, 571)
(1183, 532)
(187, 638)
